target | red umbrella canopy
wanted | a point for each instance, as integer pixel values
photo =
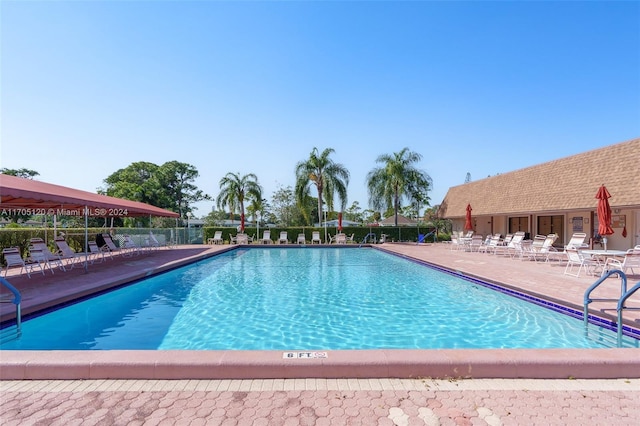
(604, 212)
(468, 226)
(340, 222)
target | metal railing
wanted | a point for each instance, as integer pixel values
(620, 307)
(16, 300)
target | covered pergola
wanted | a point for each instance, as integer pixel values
(32, 197)
(27, 196)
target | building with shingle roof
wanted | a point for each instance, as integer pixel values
(556, 197)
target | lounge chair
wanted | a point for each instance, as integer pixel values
(284, 239)
(576, 258)
(534, 248)
(301, 239)
(67, 253)
(131, 246)
(350, 239)
(631, 260)
(492, 245)
(266, 238)
(111, 247)
(476, 243)
(95, 252)
(217, 238)
(151, 243)
(514, 246)
(13, 258)
(547, 250)
(50, 257)
(577, 240)
(315, 237)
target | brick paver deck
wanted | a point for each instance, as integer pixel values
(321, 402)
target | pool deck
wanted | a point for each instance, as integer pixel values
(593, 386)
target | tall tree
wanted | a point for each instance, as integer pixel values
(137, 182)
(180, 193)
(397, 178)
(328, 177)
(236, 189)
(169, 186)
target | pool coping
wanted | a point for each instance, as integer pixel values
(419, 363)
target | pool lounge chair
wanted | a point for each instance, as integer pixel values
(151, 243)
(315, 237)
(13, 259)
(266, 238)
(514, 246)
(95, 252)
(217, 238)
(577, 240)
(51, 258)
(111, 247)
(66, 253)
(475, 243)
(131, 246)
(301, 239)
(37, 255)
(284, 239)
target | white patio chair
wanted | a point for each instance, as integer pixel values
(576, 259)
(266, 237)
(631, 260)
(284, 239)
(315, 237)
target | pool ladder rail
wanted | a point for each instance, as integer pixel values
(16, 299)
(620, 302)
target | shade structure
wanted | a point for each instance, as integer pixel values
(340, 222)
(604, 214)
(468, 226)
(33, 197)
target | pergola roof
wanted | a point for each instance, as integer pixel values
(35, 197)
(565, 184)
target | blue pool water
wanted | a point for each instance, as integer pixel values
(304, 299)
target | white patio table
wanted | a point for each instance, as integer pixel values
(601, 257)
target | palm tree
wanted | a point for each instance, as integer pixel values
(328, 177)
(397, 178)
(235, 189)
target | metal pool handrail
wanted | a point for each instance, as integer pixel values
(17, 299)
(621, 307)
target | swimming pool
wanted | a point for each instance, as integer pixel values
(304, 299)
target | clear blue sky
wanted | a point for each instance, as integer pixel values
(478, 87)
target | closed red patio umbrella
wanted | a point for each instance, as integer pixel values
(468, 226)
(340, 222)
(604, 214)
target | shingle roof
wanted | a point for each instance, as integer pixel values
(568, 183)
